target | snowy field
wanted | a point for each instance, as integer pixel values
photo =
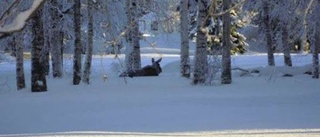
(264, 104)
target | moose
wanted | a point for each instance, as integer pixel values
(149, 70)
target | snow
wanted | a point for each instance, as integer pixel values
(265, 104)
(20, 20)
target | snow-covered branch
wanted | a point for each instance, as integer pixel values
(227, 11)
(7, 12)
(20, 20)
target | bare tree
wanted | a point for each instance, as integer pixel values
(226, 77)
(46, 31)
(77, 43)
(267, 29)
(184, 32)
(38, 77)
(201, 64)
(55, 40)
(285, 44)
(21, 84)
(87, 67)
(315, 41)
(133, 58)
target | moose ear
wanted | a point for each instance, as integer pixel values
(159, 60)
(152, 60)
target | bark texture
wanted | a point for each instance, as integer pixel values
(201, 63)
(21, 84)
(184, 24)
(226, 77)
(77, 43)
(133, 58)
(38, 77)
(267, 28)
(55, 39)
(87, 67)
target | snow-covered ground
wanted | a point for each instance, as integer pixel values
(258, 105)
(264, 104)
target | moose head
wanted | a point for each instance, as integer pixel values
(149, 70)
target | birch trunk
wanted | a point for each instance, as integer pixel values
(226, 77)
(46, 31)
(133, 58)
(285, 45)
(77, 43)
(87, 67)
(184, 32)
(21, 84)
(55, 40)
(314, 39)
(267, 28)
(38, 77)
(201, 64)
(315, 55)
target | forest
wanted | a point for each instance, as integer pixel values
(58, 26)
(154, 59)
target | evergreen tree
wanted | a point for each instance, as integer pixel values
(214, 25)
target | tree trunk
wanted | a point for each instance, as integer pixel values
(315, 55)
(38, 77)
(55, 40)
(267, 28)
(77, 43)
(133, 58)
(315, 41)
(201, 63)
(315, 50)
(285, 45)
(87, 67)
(226, 76)
(184, 32)
(46, 48)
(21, 84)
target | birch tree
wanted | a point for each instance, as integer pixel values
(201, 64)
(184, 32)
(87, 67)
(21, 84)
(267, 29)
(55, 38)
(314, 30)
(226, 45)
(133, 58)
(46, 31)
(285, 44)
(77, 43)
(38, 77)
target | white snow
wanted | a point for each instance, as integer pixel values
(266, 104)
(20, 20)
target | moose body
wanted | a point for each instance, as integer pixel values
(149, 70)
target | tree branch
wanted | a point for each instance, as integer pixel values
(8, 10)
(20, 20)
(212, 14)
